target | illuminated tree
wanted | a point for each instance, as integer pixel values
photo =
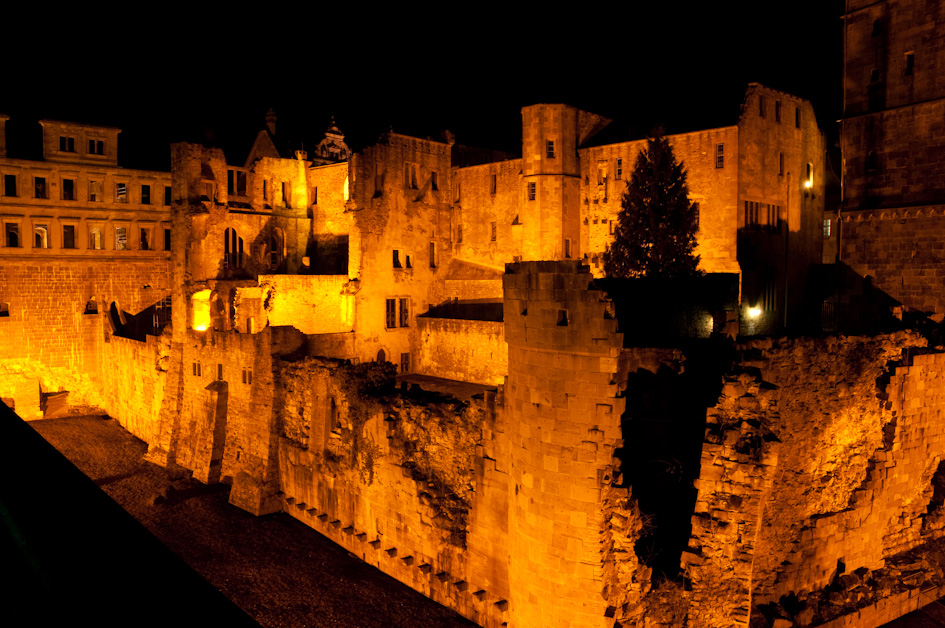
(655, 233)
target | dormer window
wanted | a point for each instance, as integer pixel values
(66, 144)
(96, 147)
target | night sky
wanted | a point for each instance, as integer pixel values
(211, 77)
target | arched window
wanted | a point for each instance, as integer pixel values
(232, 249)
(91, 306)
(381, 356)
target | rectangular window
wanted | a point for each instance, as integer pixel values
(145, 194)
(619, 172)
(826, 227)
(220, 372)
(720, 155)
(9, 185)
(96, 147)
(777, 111)
(695, 214)
(12, 238)
(68, 189)
(265, 190)
(95, 237)
(567, 248)
(404, 362)
(248, 377)
(391, 313)
(95, 192)
(910, 64)
(494, 185)
(145, 240)
(550, 149)
(167, 239)
(781, 164)
(492, 231)
(286, 193)
(761, 106)
(434, 181)
(531, 191)
(396, 261)
(68, 236)
(121, 193)
(167, 195)
(66, 144)
(433, 255)
(797, 117)
(121, 238)
(457, 193)
(230, 181)
(404, 313)
(197, 372)
(41, 236)
(459, 233)
(39, 187)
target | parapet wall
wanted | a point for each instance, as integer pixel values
(463, 350)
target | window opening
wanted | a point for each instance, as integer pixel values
(68, 189)
(121, 238)
(232, 249)
(41, 237)
(145, 194)
(9, 185)
(66, 144)
(910, 64)
(550, 149)
(391, 321)
(404, 313)
(95, 192)
(531, 191)
(68, 236)
(39, 187)
(121, 193)
(12, 234)
(720, 155)
(95, 237)
(404, 362)
(493, 231)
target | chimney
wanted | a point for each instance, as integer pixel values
(271, 121)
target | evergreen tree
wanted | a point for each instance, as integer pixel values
(656, 228)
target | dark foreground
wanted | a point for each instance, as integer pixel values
(280, 572)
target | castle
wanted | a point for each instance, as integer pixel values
(296, 287)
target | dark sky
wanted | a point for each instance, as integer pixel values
(470, 68)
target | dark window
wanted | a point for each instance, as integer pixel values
(230, 183)
(871, 160)
(404, 362)
(494, 185)
(874, 75)
(567, 248)
(12, 234)
(121, 193)
(145, 194)
(9, 185)
(66, 144)
(145, 240)
(167, 195)
(391, 321)
(720, 155)
(68, 189)
(434, 180)
(781, 164)
(220, 372)
(550, 149)
(5, 310)
(777, 111)
(39, 187)
(877, 28)
(619, 172)
(459, 233)
(197, 368)
(433, 255)
(96, 147)
(232, 249)
(167, 239)
(910, 64)
(404, 313)
(531, 191)
(240, 183)
(265, 190)
(396, 260)
(492, 231)
(68, 236)
(761, 106)
(797, 117)
(562, 318)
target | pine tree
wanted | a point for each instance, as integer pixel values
(656, 228)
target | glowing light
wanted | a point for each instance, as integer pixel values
(754, 312)
(346, 188)
(809, 184)
(201, 304)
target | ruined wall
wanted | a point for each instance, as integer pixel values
(47, 301)
(604, 182)
(463, 350)
(313, 304)
(819, 462)
(135, 382)
(903, 251)
(396, 479)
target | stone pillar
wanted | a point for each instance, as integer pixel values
(563, 426)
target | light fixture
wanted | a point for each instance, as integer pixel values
(754, 312)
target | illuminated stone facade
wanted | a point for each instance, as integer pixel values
(893, 145)
(514, 502)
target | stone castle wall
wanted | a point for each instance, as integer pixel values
(463, 350)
